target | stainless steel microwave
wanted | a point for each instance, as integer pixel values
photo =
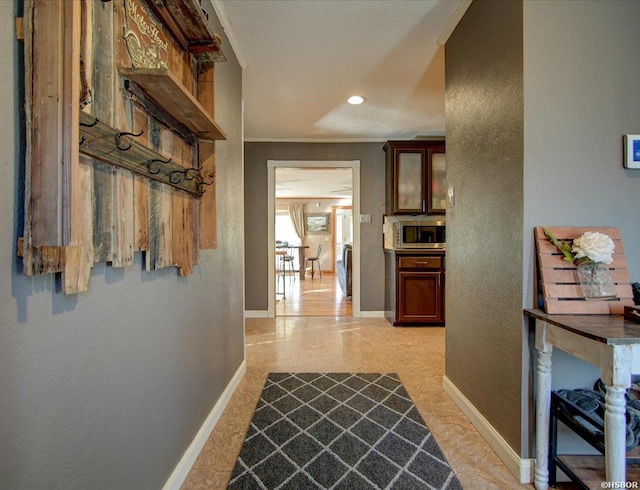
(419, 234)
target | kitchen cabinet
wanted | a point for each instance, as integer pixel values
(416, 177)
(414, 287)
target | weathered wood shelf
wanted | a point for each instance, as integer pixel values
(190, 27)
(102, 142)
(163, 87)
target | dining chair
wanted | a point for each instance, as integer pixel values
(313, 260)
(284, 257)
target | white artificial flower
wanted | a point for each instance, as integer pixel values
(594, 246)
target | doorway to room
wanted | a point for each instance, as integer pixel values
(306, 245)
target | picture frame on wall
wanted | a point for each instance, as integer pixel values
(317, 223)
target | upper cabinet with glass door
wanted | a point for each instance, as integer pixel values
(416, 177)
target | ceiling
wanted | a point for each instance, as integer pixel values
(303, 58)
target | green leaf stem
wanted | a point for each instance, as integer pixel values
(561, 245)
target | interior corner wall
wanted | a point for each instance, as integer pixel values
(107, 388)
(484, 128)
(372, 201)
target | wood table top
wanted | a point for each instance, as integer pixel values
(608, 329)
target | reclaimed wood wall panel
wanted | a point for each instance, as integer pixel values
(25, 248)
(100, 59)
(92, 194)
(141, 185)
(123, 218)
(207, 205)
(181, 241)
(156, 255)
(102, 211)
(52, 120)
(207, 161)
(71, 195)
(79, 259)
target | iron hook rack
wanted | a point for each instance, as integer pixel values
(123, 133)
(96, 121)
(196, 171)
(181, 175)
(156, 160)
(199, 186)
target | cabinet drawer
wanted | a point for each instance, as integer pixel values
(420, 263)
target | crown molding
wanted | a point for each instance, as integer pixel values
(228, 30)
(453, 22)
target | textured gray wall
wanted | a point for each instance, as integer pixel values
(372, 185)
(484, 125)
(106, 389)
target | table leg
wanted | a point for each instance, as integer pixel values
(615, 371)
(301, 263)
(543, 407)
(615, 434)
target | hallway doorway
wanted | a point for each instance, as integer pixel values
(319, 189)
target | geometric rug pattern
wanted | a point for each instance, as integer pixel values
(346, 431)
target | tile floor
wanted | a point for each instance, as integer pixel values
(326, 344)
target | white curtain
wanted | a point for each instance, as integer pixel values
(296, 214)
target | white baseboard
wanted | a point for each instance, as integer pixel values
(256, 314)
(371, 314)
(521, 468)
(180, 472)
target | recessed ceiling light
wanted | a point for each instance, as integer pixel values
(355, 100)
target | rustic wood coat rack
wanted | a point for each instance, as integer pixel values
(120, 153)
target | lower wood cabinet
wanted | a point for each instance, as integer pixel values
(414, 288)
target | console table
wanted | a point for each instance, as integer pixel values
(606, 341)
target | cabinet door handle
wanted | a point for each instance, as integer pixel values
(424, 205)
(422, 263)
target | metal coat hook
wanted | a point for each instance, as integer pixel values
(199, 186)
(155, 160)
(177, 176)
(90, 125)
(195, 171)
(120, 135)
(82, 140)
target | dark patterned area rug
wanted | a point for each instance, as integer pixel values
(339, 431)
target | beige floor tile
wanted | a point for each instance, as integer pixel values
(329, 344)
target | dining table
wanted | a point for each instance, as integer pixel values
(301, 253)
(280, 249)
